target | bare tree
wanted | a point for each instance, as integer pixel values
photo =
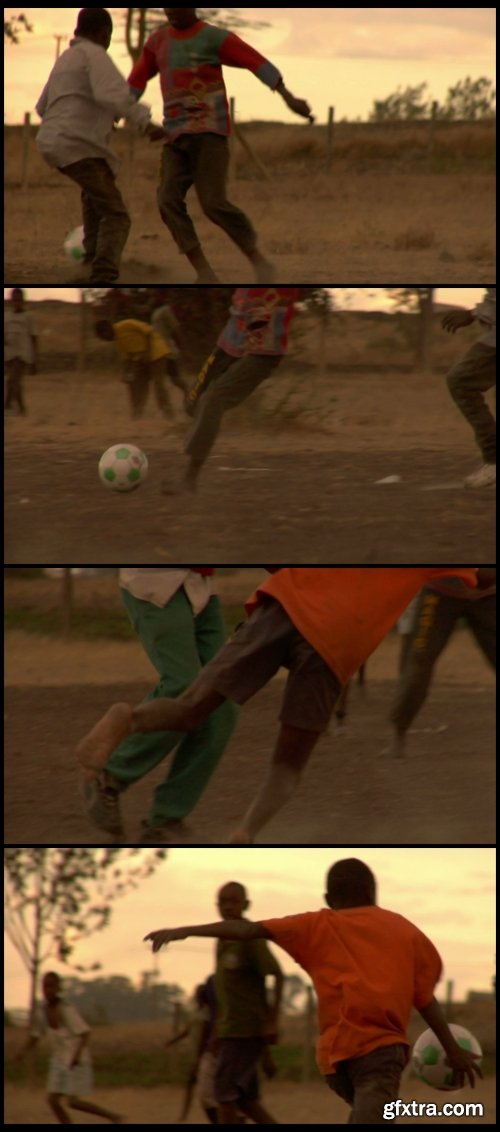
(55, 897)
(12, 28)
(420, 299)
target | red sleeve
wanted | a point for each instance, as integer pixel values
(234, 52)
(145, 69)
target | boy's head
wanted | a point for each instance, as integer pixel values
(17, 299)
(105, 330)
(95, 24)
(232, 901)
(350, 884)
(51, 986)
(181, 18)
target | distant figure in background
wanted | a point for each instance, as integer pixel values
(70, 1073)
(189, 54)
(165, 324)
(441, 606)
(145, 353)
(84, 96)
(472, 378)
(21, 346)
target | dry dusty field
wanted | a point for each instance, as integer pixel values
(273, 491)
(290, 1104)
(443, 793)
(379, 216)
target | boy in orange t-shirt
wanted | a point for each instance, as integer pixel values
(321, 623)
(369, 967)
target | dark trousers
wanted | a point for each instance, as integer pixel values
(370, 1082)
(201, 160)
(15, 370)
(139, 378)
(437, 618)
(230, 381)
(468, 382)
(106, 221)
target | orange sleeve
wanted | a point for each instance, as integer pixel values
(428, 970)
(293, 934)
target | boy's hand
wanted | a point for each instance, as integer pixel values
(454, 320)
(163, 938)
(463, 1065)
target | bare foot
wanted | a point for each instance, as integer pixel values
(396, 749)
(240, 837)
(95, 749)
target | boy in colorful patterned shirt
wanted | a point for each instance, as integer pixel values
(251, 346)
(189, 54)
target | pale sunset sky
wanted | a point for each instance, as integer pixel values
(353, 298)
(342, 57)
(448, 893)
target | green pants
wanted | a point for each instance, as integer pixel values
(179, 645)
(437, 618)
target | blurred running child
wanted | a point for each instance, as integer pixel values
(473, 377)
(70, 1073)
(20, 350)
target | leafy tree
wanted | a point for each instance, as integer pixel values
(141, 22)
(420, 299)
(56, 897)
(12, 28)
(469, 100)
(405, 105)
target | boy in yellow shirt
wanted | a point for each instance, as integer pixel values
(145, 353)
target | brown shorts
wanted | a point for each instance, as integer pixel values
(267, 642)
(236, 1070)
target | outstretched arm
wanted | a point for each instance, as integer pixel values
(234, 52)
(225, 929)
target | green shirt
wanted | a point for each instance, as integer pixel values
(240, 984)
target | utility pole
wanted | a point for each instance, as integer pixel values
(58, 39)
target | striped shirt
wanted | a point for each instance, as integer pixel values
(189, 64)
(260, 322)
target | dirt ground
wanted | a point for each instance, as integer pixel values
(290, 1104)
(442, 794)
(270, 492)
(368, 223)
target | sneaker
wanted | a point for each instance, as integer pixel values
(484, 477)
(101, 803)
(170, 833)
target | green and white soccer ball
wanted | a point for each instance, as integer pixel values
(73, 245)
(123, 467)
(429, 1058)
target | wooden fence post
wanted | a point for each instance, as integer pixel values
(432, 128)
(26, 150)
(330, 137)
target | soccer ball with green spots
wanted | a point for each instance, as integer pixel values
(429, 1058)
(73, 246)
(123, 468)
